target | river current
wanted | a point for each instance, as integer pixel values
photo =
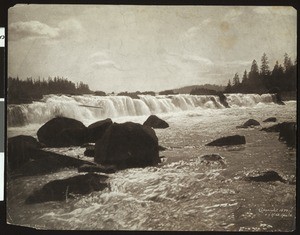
(183, 192)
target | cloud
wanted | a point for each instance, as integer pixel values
(198, 59)
(31, 29)
(104, 64)
(35, 29)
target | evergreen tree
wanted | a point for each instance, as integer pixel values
(245, 77)
(287, 62)
(236, 80)
(264, 68)
(228, 87)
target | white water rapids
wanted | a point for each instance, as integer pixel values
(91, 108)
(182, 193)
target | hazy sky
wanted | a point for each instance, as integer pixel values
(118, 48)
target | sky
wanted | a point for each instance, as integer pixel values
(142, 48)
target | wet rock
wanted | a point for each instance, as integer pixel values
(267, 176)
(90, 151)
(271, 119)
(156, 122)
(249, 123)
(20, 149)
(287, 132)
(96, 130)
(210, 158)
(44, 162)
(223, 99)
(128, 145)
(108, 169)
(62, 132)
(60, 190)
(228, 140)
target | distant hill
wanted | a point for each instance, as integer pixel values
(188, 89)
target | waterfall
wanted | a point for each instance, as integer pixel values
(99, 107)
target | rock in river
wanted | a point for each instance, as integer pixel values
(20, 149)
(228, 140)
(62, 132)
(271, 119)
(249, 123)
(156, 122)
(128, 145)
(96, 130)
(59, 190)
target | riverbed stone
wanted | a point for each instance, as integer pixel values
(128, 145)
(62, 132)
(249, 123)
(20, 149)
(63, 189)
(228, 140)
(96, 130)
(155, 122)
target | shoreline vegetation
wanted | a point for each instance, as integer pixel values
(281, 80)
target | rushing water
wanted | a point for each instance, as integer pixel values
(182, 193)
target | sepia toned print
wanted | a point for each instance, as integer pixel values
(164, 118)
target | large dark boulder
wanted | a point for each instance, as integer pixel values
(89, 151)
(128, 145)
(62, 132)
(287, 133)
(60, 190)
(45, 162)
(249, 123)
(266, 176)
(155, 122)
(270, 119)
(228, 140)
(20, 149)
(223, 99)
(96, 130)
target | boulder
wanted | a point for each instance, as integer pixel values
(271, 119)
(96, 130)
(274, 128)
(155, 122)
(223, 99)
(249, 123)
(266, 176)
(228, 140)
(128, 145)
(20, 149)
(287, 133)
(62, 132)
(60, 190)
(45, 162)
(211, 158)
(89, 151)
(97, 168)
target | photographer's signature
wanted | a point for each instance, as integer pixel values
(276, 212)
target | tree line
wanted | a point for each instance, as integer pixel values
(25, 91)
(262, 79)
